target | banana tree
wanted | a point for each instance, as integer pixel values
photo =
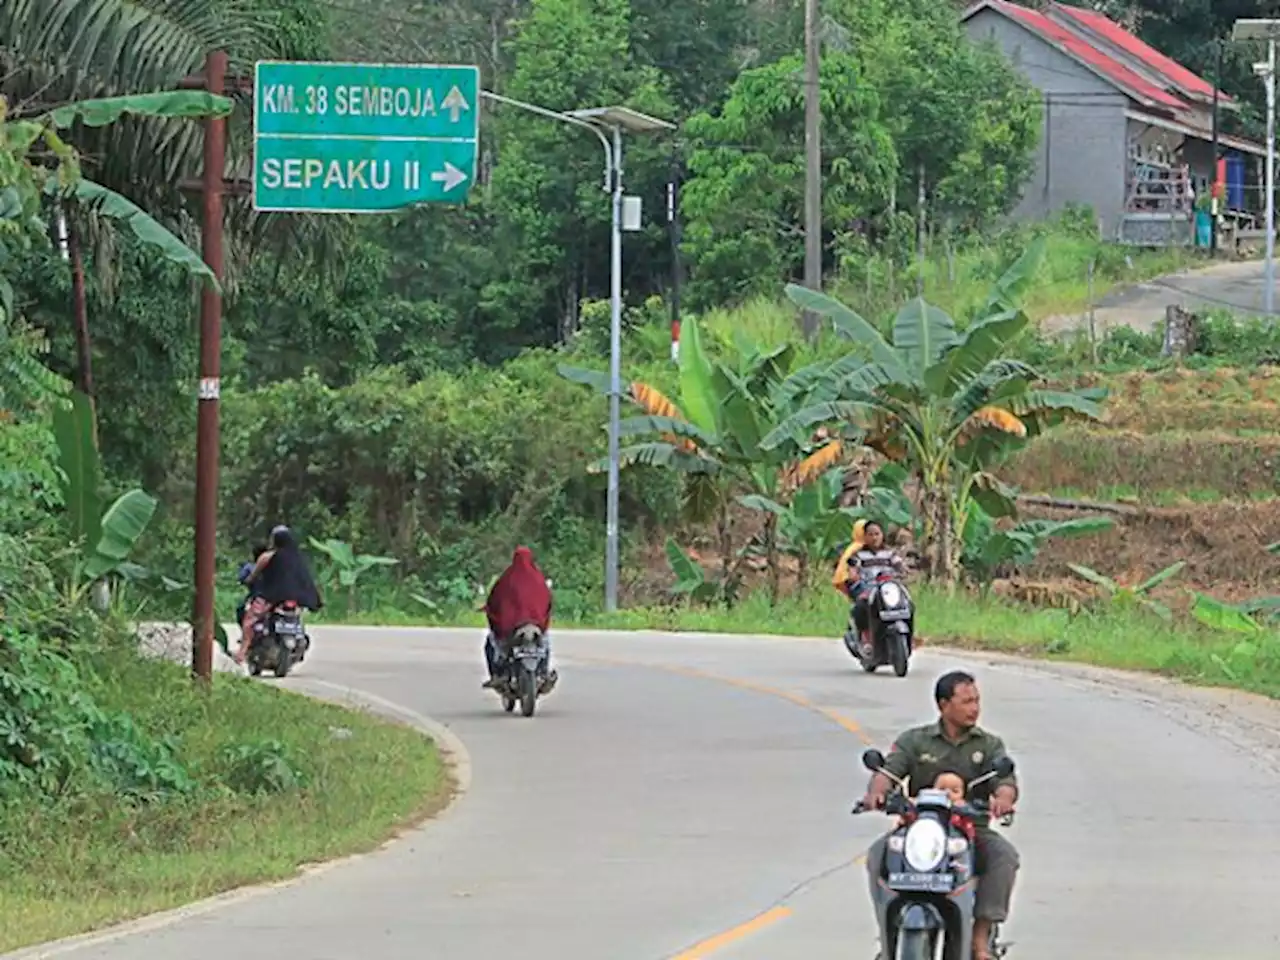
(814, 524)
(347, 566)
(712, 437)
(1125, 596)
(106, 536)
(946, 404)
(989, 550)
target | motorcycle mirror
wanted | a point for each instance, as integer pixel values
(873, 760)
(1004, 767)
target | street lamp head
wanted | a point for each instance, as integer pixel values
(633, 121)
(1256, 30)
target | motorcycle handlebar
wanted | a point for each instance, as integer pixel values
(971, 809)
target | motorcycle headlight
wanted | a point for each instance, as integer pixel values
(891, 594)
(925, 846)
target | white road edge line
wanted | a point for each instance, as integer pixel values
(458, 763)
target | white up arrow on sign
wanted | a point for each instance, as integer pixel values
(455, 103)
(450, 176)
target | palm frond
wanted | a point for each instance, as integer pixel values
(802, 422)
(1000, 379)
(659, 454)
(814, 465)
(654, 402)
(56, 51)
(674, 430)
(995, 418)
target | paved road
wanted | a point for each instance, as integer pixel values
(678, 790)
(1238, 287)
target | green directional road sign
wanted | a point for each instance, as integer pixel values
(363, 137)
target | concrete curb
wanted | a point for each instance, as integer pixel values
(458, 767)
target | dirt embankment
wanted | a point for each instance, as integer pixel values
(1230, 467)
(1224, 546)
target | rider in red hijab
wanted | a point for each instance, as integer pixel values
(521, 596)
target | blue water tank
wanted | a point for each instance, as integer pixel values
(1235, 180)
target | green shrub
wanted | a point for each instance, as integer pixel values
(262, 766)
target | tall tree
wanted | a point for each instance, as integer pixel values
(745, 202)
(959, 113)
(547, 194)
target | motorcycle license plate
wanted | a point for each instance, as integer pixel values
(927, 882)
(288, 627)
(524, 653)
(887, 615)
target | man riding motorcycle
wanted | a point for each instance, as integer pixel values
(522, 595)
(955, 743)
(280, 575)
(865, 553)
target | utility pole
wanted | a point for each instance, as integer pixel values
(1213, 190)
(215, 151)
(813, 162)
(1268, 30)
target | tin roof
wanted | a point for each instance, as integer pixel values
(1076, 42)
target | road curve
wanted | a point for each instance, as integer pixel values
(1238, 287)
(683, 797)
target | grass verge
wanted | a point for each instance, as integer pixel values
(1127, 639)
(315, 782)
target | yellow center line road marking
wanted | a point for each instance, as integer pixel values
(710, 945)
(771, 916)
(848, 723)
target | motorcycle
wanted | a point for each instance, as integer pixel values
(279, 641)
(926, 891)
(523, 671)
(891, 624)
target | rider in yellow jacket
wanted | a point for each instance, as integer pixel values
(865, 551)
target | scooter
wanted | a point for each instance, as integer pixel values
(523, 671)
(924, 896)
(279, 641)
(891, 625)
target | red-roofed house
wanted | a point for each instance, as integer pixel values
(1127, 130)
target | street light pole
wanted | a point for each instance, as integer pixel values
(607, 123)
(1269, 291)
(615, 382)
(1268, 30)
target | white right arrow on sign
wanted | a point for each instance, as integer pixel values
(450, 176)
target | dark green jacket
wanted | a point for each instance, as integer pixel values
(922, 753)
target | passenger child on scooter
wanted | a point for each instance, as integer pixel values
(954, 785)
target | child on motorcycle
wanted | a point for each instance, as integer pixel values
(954, 785)
(243, 575)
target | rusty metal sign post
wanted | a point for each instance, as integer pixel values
(209, 387)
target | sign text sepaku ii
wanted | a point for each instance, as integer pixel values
(363, 137)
